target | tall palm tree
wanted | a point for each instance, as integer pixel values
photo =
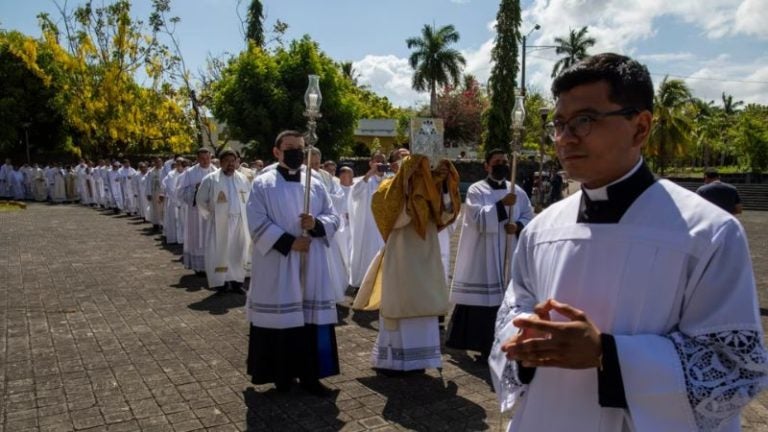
(349, 72)
(672, 127)
(707, 126)
(433, 62)
(574, 47)
(730, 108)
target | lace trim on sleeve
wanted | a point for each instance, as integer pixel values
(510, 382)
(723, 372)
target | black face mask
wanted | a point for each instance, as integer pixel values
(500, 172)
(293, 158)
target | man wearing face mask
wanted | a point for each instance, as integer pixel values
(291, 304)
(478, 280)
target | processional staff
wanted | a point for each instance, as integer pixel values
(517, 125)
(312, 100)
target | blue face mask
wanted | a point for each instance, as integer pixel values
(293, 158)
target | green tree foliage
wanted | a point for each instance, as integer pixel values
(672, 128)
(434, 63)
(261, 94)
(534, 124)
(250, 99)
(575, 48)
(708, 124)
(728, 112)
(503, 80)
(27, 103)
(750, 136)
(255, 21)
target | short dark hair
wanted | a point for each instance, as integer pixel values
(228, 152)
(287, 133)
(491, 153)
(629, 81)
(711, 174)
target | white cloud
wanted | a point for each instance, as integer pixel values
(747, 82)
(752, 17)
(666, 57)
(479, 61)
(389, 76)
(618, 26)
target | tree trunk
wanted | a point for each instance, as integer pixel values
(432, 99)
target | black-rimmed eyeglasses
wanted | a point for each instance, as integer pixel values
(580, 125)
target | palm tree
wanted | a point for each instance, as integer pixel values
(729, 106)
(349, 72)
(574, 48)
(707, 126)
(433, 62)
(672, 127)
(729, 111)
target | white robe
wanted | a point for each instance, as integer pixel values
(221, 202)
(167, 168)
(130, 194)
(17, 185)
(59, 190)
(6, 178)
(673, 282)
(276, 298)
(342, 236)
(115, 190)
(143, 203)
(479, 273)
(102, 190)
(365, 236)
(155, 191)
(29, 174)
(412, 262)
(39, 185)
(444, 238)
(91, 189)
(196, 227)
(173, 231)
(80, 183)
(336, 261)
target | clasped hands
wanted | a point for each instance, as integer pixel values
(541, 342)
(301, 243)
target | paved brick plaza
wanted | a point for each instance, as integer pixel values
(101, 328)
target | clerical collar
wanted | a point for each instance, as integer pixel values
(495, 184)
(609, 203)
(289, 175)
(601, 193)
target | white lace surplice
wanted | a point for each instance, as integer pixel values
(673, 283)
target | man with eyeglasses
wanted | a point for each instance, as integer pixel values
(632, 305)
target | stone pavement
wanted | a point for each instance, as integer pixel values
(101, 329)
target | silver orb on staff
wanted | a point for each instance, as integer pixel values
(312, 100)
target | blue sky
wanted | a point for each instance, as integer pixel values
(720, 45)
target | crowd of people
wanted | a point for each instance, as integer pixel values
(629, 305)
